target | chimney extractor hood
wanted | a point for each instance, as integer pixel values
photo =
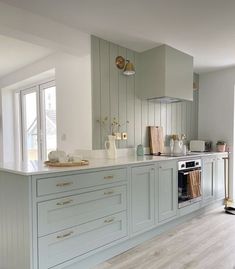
(166, 75)
(166, 100)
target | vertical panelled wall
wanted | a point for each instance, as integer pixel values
(114, 96)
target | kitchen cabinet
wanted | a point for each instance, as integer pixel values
(62, 217)
(77, 218)
(60, 247)
(167, 190)
(220, 169)
(62, 213)
(142, 198)
(72, 224)
(208, 179)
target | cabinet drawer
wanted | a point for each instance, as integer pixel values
(60, 247)
(59, 184)
(59, 214)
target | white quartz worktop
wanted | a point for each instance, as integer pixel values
(34, 167)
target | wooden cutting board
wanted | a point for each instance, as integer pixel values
(156, 141)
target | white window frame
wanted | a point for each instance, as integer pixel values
(41, 138)
(23, 121)
(43, 145)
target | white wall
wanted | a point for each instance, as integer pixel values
(74, 89)
(73, 83)
(8, 127)
(27, 26)
(216, 110)
(74, 119)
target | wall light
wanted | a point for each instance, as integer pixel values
(125, 65)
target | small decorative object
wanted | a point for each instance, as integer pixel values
(112, 127)
(57, 156)
(140, 150)
(74, 158)
(221, 146)
(171, 145)
(110, 147)
(178, 147)
(66, 164)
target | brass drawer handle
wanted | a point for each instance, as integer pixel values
(64, 184)
(64, 235)
(65, 202)
(109, 220)
(108, 192)
(109, 177)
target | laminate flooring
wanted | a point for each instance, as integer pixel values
(204, 242)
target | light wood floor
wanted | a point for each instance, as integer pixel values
(205, 242)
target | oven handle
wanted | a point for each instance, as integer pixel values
(187, 173)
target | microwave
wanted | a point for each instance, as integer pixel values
(200, 145)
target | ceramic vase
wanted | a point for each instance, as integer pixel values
(110, 147)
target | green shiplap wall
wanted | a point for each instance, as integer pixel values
(114, 95)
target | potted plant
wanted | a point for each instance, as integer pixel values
(221, 145)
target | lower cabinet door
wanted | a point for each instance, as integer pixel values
(220, 191)
(142, 198)
(70, 243)
(60, 214)
(208, 180)
(167, 190)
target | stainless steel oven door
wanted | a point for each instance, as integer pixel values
(185, 197)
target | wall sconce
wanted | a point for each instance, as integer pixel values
(125, 65)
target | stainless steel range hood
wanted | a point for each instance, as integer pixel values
(166, 75)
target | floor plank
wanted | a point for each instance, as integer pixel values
(207, 241)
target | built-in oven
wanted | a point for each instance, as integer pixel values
(189, 182)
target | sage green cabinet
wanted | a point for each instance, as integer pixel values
(208, 179)
(167, 190)
(142, 198)
(220, 178)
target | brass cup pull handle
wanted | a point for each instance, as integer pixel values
(64, 235)
(109, 220)
(64, 184)
(108, 192)
(108, 177)
(65, 202)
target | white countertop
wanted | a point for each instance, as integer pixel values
(35, 168)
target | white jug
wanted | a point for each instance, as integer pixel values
(110, 147)
(178, 147)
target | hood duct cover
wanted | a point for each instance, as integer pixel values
(166, 75)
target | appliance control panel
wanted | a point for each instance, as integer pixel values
(189, 164)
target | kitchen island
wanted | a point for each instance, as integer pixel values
(67, 218)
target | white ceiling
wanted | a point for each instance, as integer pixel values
(204, 29)
(15, 54)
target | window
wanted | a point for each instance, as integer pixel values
(37, 121)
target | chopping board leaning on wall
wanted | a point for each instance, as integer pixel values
(156, 141)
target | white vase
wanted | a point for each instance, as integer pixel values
(110, 147)
(178, 147)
